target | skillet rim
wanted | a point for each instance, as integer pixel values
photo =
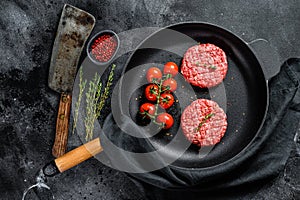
(244, 150)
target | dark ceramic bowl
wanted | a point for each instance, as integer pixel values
(89, 46)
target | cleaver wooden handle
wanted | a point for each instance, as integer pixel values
(78, 155)
(73, 158)
(62, 125)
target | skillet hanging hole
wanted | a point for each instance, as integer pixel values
(267, 56)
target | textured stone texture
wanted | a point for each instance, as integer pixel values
(28, 107)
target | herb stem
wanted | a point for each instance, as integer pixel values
(206, 65)
(92, 97)
(95, 101)
(105, 94)
(82, 85)
(204, 120)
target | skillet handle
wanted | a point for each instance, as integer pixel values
(267, 56)
(73, 158)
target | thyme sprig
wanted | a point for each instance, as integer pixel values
(212, 67)
(204, 120)
(96, 100)
(82, 85)
(206, 65)
(92, 96)
(105, 94)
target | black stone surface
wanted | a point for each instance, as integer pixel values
(28, 107)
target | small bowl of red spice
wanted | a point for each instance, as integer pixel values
(103, 47)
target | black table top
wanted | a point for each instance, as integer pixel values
(28, 107)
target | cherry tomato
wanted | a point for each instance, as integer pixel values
(170, 84)
(166, 119)
(153, 74)
(151, 92)
(147, 109)
(166, 100)
(171, 68)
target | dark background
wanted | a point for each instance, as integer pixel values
(28, 107)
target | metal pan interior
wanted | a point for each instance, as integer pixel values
(244, 86)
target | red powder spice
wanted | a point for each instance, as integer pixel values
(103, 48)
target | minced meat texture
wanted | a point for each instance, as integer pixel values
(203, 122)
(204, 65)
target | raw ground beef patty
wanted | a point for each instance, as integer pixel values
(204, 65)
(203, 122)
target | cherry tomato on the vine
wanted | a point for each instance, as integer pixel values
(153, 74)
(171, 68)
(166, 100)
(170, 84)
(166, 119)
(147, 109)
(151, 92)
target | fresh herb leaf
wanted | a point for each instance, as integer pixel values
(95, 101)
(105, 95)
(212, 67)
(206, 65)
(82, 85)
(92, 97)
(204, 120)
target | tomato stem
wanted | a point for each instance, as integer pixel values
(166, 89)
(157, 123)
(158, 97)
(160, 91)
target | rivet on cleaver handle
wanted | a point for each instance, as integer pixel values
(74, 28)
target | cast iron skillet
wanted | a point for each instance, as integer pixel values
(245, 87)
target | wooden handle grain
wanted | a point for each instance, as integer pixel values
(78, 155)
(62, 125)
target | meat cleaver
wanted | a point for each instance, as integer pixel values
(74, 28)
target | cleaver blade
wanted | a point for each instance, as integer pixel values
(74, 28)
